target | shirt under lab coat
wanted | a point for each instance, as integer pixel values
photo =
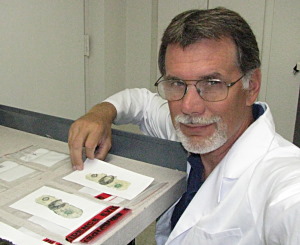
(252, 197)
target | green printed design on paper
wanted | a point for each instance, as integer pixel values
(109, 181)
(59, 207)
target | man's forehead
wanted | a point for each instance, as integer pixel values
(205, 41)
(208, 55)
(207, 50)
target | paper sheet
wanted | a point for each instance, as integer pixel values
(17, 237)
(108, 178)
(44, 157)
(59, 207)
(7, 165)
(10, 171)
(50, 226)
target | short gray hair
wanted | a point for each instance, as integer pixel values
(191, 26)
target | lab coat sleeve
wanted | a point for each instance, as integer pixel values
(282, 223)
(285, 228)
(145, 109)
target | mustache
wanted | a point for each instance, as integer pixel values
(187, 119)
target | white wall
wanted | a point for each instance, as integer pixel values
(282, 52)
(41, 47)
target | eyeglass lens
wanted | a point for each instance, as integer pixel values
(211, 90)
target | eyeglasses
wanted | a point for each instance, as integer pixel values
(211, 90)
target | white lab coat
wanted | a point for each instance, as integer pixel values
(146, 109)
(252, 197)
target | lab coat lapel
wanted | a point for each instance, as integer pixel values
(202, 203)
(250, 147)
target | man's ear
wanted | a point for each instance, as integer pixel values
(254, 87)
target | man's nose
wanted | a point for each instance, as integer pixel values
(192, 103)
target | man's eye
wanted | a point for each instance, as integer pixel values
(176, 83)
(213, 82)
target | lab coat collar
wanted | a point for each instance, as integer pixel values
(252, 145)
(247, 150)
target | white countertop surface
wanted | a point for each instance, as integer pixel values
(168, 186)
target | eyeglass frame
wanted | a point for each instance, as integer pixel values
(228, 85)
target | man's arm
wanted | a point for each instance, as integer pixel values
(136, 106)
(145, 109)
(93, 132)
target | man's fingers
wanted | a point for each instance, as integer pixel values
(102, 151)
(90, 152)
(76, 159)
(75, 142)
(75, 149)
(89, 134)
(92, 142)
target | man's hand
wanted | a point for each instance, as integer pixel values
(91, 132)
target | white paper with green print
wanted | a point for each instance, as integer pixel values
(111, 179)
(59, 207)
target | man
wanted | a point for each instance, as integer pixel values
(244, 179)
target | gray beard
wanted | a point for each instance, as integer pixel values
(207, 145)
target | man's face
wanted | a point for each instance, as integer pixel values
(206, 126)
